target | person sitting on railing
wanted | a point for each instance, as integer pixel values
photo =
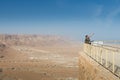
(87, 39)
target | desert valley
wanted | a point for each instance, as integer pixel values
(38, 57)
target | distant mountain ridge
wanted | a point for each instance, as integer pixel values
(33, 40)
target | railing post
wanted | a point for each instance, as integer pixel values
(106, 58)
(90, 51)
(91, 48)
(113, 59)
(94, 52)
(97, 53)
(101, 55)
(85, 48)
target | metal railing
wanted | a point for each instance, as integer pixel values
(107, 56)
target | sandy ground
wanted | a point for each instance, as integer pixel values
(41, 63)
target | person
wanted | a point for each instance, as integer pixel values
(87, 38)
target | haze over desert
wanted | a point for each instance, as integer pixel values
(30, 57)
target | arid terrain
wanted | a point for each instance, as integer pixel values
(38, 57)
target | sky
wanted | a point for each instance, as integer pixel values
(72, 18)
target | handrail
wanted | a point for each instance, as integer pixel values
(104, 55)
(107, 47)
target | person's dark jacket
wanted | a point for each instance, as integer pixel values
(87, 40)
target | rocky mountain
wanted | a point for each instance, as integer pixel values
(33, 40)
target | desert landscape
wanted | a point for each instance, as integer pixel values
(38, 57)
(59, 40)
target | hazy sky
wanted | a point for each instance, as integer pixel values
(73, 18)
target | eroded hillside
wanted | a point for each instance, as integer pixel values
(34, 40)
(37, 57)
